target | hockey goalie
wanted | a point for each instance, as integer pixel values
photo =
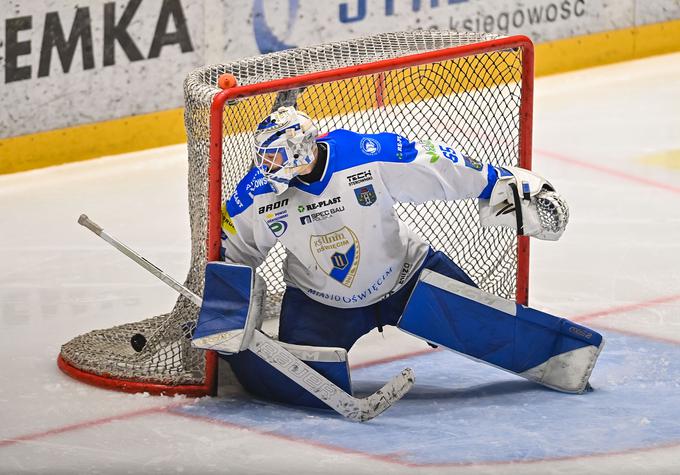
(353, 266)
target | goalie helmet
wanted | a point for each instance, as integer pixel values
(284, 145)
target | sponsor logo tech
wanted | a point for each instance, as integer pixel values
(360, 177)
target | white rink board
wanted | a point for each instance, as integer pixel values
(97, 79)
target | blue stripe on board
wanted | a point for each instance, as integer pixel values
(461, 411)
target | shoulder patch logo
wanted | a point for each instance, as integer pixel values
(337, 254)
(369, 146)
(227, 223)
(365, 195)
(473, 163)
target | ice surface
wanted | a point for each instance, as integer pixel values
(616, 268)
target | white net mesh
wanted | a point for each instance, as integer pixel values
(472, 102)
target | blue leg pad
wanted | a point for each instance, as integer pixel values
(231, 309)
(549, 350)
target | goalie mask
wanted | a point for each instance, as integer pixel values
(284, 146)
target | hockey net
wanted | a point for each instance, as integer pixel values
(471, 90)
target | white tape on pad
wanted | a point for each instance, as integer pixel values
(467, 291)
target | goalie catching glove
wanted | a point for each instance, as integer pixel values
(527, 202)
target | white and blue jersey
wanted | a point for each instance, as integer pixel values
(346, 246)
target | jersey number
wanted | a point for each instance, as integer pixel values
(449, 153)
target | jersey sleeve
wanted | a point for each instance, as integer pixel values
(242, 242)
(426, 170)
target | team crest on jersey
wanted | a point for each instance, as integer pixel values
(337, 254)
(365, 195)
(369, 146)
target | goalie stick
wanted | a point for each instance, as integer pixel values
(269, 350)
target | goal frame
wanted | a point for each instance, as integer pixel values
(377, 67)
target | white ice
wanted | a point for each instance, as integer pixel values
(596, 133)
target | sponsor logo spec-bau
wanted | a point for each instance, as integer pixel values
(322, 213)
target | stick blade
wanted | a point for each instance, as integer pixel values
(383, 398)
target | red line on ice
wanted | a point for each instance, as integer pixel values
(609, 171)
(625, 308)
(85, 425)
(389, 359)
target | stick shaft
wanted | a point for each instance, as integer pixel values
(99, 231)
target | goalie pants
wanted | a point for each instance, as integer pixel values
(307, 322)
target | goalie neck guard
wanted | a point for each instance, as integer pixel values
(284, 146)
